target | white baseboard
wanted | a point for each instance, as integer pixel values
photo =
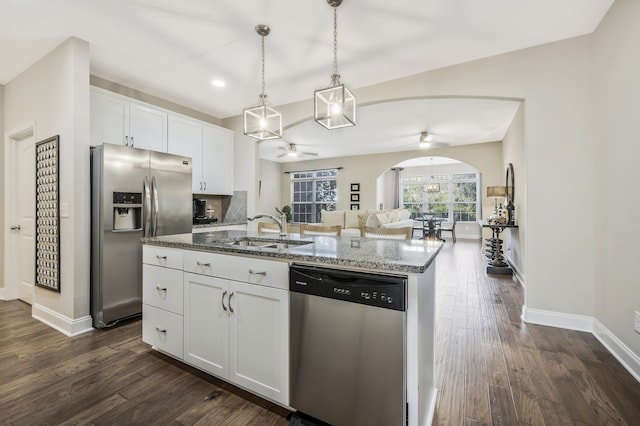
(618, 349)
(65, 325)
(2, 293)
(557, 319)
(629, 360)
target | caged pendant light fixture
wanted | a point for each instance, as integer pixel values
(262, 122)
(335, 106)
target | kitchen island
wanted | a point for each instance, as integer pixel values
(220, 301)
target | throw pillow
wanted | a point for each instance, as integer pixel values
(351, 219)
(334, 218)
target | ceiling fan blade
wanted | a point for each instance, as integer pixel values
(282, 155)
(314, 154)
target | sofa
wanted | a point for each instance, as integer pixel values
(352, 220)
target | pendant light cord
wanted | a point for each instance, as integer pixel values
(335, 40)
(263, 83)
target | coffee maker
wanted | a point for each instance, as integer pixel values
(200, 211)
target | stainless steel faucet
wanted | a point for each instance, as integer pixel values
(282, 222)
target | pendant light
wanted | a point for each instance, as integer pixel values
(262, 122)
(431, 187)
(335, 106)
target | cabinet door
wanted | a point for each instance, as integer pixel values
(259, 339)
(206, 323)
(185, 138)
(217, 158)
(147, 128)
(109, 119)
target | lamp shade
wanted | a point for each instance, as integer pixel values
(496, 191)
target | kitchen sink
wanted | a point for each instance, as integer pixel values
(267, 243)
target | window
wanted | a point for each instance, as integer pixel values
(458, 196)
(312, 192)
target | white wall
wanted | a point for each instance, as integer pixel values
(269, 197)
(513, 152)
(54, 94)
(2, 206)
(615, 64)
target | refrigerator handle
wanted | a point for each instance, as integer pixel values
(146, 208)
(154, 209)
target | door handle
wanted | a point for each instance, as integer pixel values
(15, 227)
(224, 293)
(230, 296)
(126, 141)
(207, 264)
(132, 141)
(263, 273)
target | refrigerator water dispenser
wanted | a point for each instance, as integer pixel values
(127, 211)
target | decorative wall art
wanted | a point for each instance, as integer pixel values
(355, 197)
(355, 206)
(47, 226)
(355, 187)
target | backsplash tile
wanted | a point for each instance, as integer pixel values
(237, 211)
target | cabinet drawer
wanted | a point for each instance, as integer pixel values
(200, 262)
(162, 256)
(268, 273)
(162, 329)
(162, 288)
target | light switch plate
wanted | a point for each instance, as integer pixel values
(64, 209)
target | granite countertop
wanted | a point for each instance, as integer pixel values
(412, 256)
(216, 224)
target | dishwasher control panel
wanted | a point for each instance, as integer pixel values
(384, 291)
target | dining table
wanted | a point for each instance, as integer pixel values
(430, 225)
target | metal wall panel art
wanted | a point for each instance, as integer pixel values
(47, 232)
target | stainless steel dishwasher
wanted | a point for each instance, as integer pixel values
(347, 346)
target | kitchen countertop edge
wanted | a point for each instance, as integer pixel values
(297, 254)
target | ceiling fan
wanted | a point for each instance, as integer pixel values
(428, 139)
(292, 151)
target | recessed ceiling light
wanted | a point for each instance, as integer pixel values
(218, 83)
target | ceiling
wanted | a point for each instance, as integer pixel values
(174, 49)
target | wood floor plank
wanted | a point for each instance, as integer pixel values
(502, 408)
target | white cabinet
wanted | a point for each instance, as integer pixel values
(162, 299)
(237, 330)
(185, 138)
(217, 160)
(211, 149)
(118, 120)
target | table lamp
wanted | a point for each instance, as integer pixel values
(496, 192)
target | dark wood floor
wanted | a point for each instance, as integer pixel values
(491, 368)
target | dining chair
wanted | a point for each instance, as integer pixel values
(451, 229)
(387, 233)
(268, 227)
(311, 229)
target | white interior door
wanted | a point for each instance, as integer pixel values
(25, 201)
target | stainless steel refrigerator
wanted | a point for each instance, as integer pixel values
(134, 193)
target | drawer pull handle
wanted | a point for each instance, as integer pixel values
(230, 296)
(161, 330)
(161, 257)
(161, 288)
(207, 264)
(224, 293)
(263, 273)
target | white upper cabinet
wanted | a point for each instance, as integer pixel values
(185, 138)
(118, 120)
(217, 160)
(211, 149)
